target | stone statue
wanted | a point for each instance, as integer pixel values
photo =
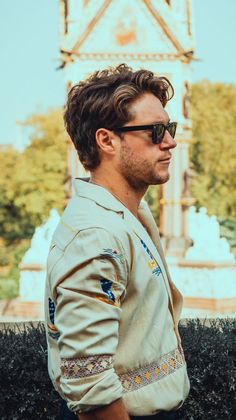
(33, 264)
(38, 251)
(204, 230)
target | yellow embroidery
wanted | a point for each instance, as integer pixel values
(172, 362)
(166, 365)
(152, 263)
(52, 328)
(148, 375)
(165, 368)
(85, 366)
(156, 371)
(110, 302)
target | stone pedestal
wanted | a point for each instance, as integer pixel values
(32, 282)
(206, 276)
(209, 289)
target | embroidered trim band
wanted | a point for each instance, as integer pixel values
(85, 366)
(166, 365)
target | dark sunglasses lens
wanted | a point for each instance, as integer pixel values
(172, 129)
(158, 133)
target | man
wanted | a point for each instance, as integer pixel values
(111, 308)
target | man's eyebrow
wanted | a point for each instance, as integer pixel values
(161, 122)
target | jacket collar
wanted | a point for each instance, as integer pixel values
(97, 193)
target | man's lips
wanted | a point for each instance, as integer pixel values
(167, 159)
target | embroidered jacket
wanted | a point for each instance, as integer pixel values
(111, 309)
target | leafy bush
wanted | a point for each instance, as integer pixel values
(26, 390)
(228, 231)
(211, 359)
(9, 288)
(27, 393)
(10, 257)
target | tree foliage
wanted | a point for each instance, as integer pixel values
(33, 182)
(213, 151)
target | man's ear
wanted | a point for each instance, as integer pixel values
(106, 140)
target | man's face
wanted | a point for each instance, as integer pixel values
(141, 162)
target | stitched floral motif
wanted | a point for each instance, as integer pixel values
(52, 330)
(51, 307)
(85, 366)
(110, 295)
(112, 254)
(166, 365)
(106, 287)
(152, 263)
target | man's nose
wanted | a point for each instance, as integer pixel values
(168, 142)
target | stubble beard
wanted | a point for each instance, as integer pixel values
(138, 173)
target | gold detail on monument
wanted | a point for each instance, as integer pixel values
(126, 33)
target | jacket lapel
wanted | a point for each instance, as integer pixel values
(176, 298)
(142, 230)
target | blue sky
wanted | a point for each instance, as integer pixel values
(29, 33)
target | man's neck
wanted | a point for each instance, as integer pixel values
(118, 187)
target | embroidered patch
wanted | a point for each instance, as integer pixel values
(85, 366)
(146, 375)
(152, 263)
(52, 330)
(112, 254)
(51, 307)
(110, 297)
(107, 287)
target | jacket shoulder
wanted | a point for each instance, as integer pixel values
(81, 214)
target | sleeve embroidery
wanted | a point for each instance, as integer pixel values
(85, 366)
(164, 366)
(112, 254)
(111, 295)
(52, 330)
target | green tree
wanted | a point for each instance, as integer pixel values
(33, 182)
(213, 150)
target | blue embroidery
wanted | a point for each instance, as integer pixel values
(51, 306)
(55, 336)
(146, 249)
(106, 287)
(153, 265)
(52, 330)
(157, 271)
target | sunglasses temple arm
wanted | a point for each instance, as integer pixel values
(154, 134)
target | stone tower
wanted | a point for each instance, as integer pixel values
(154, 34)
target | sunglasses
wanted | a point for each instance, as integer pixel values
(158, 130)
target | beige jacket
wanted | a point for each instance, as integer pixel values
(111, 309)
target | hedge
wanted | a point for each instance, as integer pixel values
(27, 393)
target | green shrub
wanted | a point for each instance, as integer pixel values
(9, 288)
(27, 393)
(228, 230)
(11, 256)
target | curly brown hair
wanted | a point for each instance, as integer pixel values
(103, 101)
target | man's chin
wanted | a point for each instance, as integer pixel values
(161, 179)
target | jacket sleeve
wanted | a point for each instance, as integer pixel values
(91, 282)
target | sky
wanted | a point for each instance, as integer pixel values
(30, 82)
